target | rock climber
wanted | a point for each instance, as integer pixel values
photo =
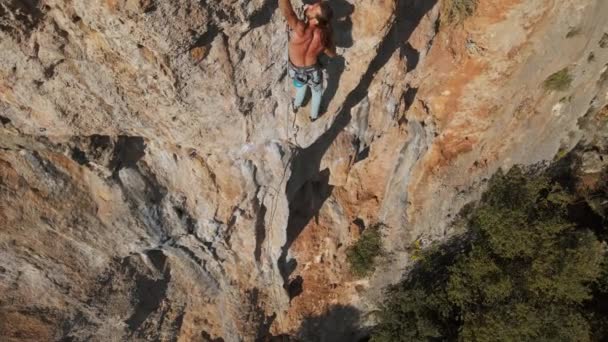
(309, 38)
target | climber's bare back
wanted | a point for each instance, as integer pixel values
(308, 39)
(306, 45)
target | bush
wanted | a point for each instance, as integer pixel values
(362, 255)
(558, 81)
(456, 11)
(522, 272)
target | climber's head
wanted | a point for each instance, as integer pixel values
(319, 13)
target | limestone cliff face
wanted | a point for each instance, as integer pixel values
(154, 185)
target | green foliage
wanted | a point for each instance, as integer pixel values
(416, 250)
(456, 11)
(522, 272)
(598, 198)
(593, 208)
(558, 81)
(362, 255)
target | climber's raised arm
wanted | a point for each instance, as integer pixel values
(292, 19)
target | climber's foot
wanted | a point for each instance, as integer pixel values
(317, 118)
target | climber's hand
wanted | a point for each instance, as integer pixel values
(330, 52)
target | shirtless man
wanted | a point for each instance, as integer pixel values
(309, 39)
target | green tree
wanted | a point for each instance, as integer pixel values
(363, 254)
(522, 272)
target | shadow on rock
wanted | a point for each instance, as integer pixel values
(334, 68)
(263, 15)
(342, 24)
(304, 206)
(342, 35)
(338, 324)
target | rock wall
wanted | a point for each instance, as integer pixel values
(155, 186)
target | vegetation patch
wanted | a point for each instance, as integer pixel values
(456, 11)
(558, 81)
(531, 266)
(363, 254)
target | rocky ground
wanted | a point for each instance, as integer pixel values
(155, 186)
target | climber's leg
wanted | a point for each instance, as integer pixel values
(317, 94)
(300, 95)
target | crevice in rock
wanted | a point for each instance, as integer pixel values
(78, 319)
(360, 224)
(263, 15)
(100, 142)
(149, 292)
(227, 233)
(47, 167)
(260, 215)
(145, 202)
(176, 325)
(128, 151)
(189, 253)
(260, 231)
(28, 14)
(148, 6)
(49, 72)
(206, 38)
(158, 259)
(362, 151)
(408, 97)
(294, 287)
(4, 120)
(213, 250)
(79, 156)
(436, 27)
(187, 220)
(257, 315)
(208, 338)
(411, 55)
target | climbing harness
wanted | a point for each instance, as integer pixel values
(310, 75)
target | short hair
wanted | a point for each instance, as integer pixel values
(326, 14)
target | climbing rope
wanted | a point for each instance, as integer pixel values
(273, 209)
(276, 192)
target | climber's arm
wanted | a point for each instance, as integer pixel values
(290, 15)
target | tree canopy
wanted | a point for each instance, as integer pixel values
(524, 270)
